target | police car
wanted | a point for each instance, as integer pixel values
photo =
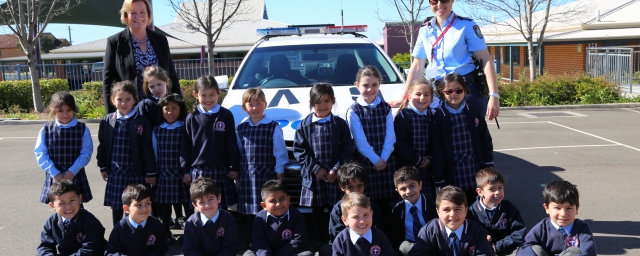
(287, 61)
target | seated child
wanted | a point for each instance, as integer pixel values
(278, 229)
(561, 233)
(413, 212)
(70, 230)
(451, 233)
(360, 238)
(499, 217)
(209, 231)
(138, 233)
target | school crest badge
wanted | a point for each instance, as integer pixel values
(220, 231)
(502, 224)
(219, 126)
(140, 129)
(287, 234)
(151, 240)
(476, 29)
(80, 237)
(472, 250)
(375, 250)
(572, 241)
(477, 122)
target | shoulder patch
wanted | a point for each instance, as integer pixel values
(464, 18)
(476, 29)
(426, 21)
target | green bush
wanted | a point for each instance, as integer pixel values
(403, 60)
(187, 92)
(19, 93)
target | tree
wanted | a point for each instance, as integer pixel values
(210, 17)
(409, 12)
(46, 44)
(529, 17)
(27, 19)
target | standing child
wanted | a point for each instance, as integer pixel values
(414, 135)
(498, 216)
(172, 185)
(451, 233)
(125, 153)
(464, 136)
(561, 233)
(64, 147)
(209, 148)
(371, 123)
(322, 143)
(263, 153)
(157, 83)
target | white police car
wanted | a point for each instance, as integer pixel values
(287, 61)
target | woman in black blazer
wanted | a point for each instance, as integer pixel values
(133, 49)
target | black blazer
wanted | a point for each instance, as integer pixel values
(120, 65)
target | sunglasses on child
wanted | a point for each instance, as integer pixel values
(434, 2)
(457, 91)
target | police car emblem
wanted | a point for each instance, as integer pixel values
(219, 126)
(502, 224)
(286, 234)
(476, 29)
(375, 250)
(151, 240)
(472, 250)
(572, 241)
(220, 231)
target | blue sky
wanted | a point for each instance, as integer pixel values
(356, 12)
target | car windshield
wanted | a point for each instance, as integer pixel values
(302, 65)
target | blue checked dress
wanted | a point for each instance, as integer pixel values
(374, 124)
(321, 193)
(143, 61)
(420, 134)
(465, 167)
(170, 187)
(64, 146)
(121, 170)
(257, 164)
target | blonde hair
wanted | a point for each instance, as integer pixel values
(155, 72)
(412, 86)
(126, 7)
(250, 94)
(352, 200)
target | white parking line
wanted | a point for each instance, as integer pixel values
(632, 110)
(575, 146)
(595, 136)
(31, 137)
(537, 122)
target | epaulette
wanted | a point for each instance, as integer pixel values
(426, 21)
(465, 18)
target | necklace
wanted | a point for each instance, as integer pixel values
(141, 41)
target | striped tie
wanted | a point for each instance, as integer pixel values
(416, 222)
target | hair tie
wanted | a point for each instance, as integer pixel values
(406, 96)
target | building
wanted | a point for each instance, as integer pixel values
(394, 39)
(9, 46)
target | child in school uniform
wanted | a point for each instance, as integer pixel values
(125, 153)
(172, 185)
(413, 212)
(413, 126)
(498, 216)
(155, 85)
(64, 147)
(321, 145)
(371, 123)
(360, 238)
(209, 231)
(209, 148)
(561, 233)
(71, 230)
(138, 233)
(464, 136)
(451, 233)
(278, 229)
(263, 153)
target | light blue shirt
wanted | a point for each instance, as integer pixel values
(567, 228)
(279, 147)
(455, 111)
(327, 118)
(457, 231)
(42, 152)
(136, 224)
(412, 107)
(175, 125)
(361, 139)
(355, 236)
(453, 52)
(408, 219)
(211, 111)
(213, 219)
(131, 113)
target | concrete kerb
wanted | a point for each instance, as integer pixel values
(15, 121)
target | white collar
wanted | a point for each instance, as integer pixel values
(135, 224)
(373, 104)
(355, 236)
(424, 112)
(327, 118)
(213, 219)
(70, 124)
(484, 207)
(285, 214)
(131, 113)
(213, 110)
(264, 120)
(566, 228)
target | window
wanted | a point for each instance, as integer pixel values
(514, 57)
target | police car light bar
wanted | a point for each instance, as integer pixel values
(310, 30)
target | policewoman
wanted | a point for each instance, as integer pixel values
(448, 42)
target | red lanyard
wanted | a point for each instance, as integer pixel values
(433, 50)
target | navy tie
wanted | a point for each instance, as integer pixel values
(209, 228)
(139, 228)
(363, 246)
(277, 221)
(563, 232)
(489, 213)
(65, 223)
(416, 222)
(454, 245)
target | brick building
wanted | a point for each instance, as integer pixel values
(394, 40)
(9, 46)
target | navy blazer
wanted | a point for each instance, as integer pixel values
(341, 147)
(398, 215)
(140, 145)
(506, 228)
(196, 241)
(120, 64)
(433, 240)
(482, 143)
(287, 240)
(83, 236)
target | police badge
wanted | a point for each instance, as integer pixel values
(476, 29)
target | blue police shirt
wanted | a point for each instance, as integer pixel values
(453, 52)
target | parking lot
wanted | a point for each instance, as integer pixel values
(596, 149)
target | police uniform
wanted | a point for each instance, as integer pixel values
(452, 54)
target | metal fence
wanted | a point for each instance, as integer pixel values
(616, 64)
(79, 73)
